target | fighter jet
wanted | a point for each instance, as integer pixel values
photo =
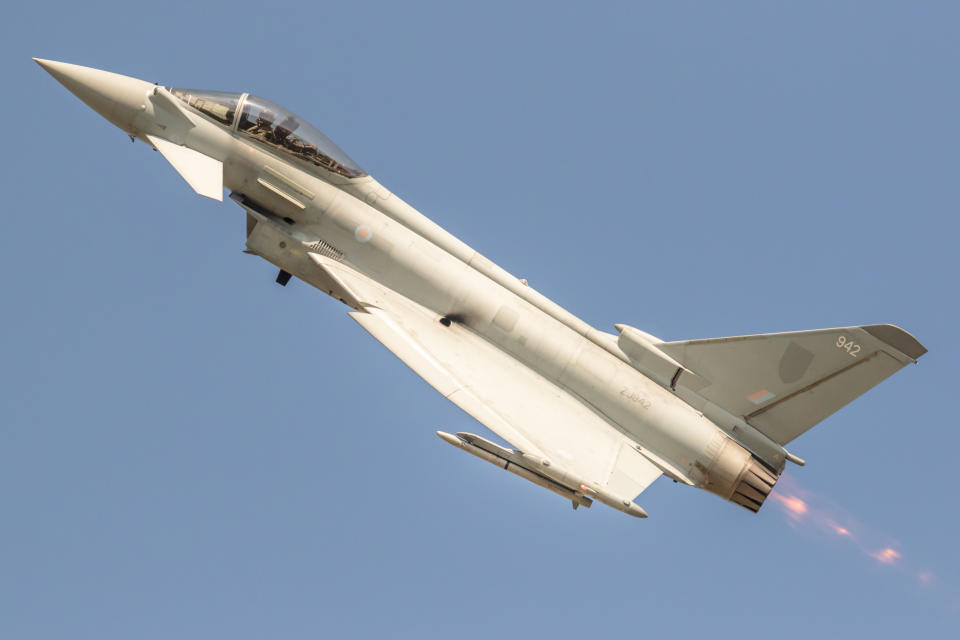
(589, 415)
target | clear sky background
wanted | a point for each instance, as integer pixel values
(189, 450)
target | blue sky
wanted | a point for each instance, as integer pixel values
(190, 450)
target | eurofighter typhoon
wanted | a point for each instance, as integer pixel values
(592, 416)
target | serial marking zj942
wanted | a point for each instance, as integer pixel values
(634, 396)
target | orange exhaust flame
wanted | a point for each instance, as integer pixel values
(812, 514)
(886, 556)
(794, 505)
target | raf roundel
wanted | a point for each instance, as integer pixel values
(363, 233)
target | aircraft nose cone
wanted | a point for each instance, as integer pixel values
(115, 97)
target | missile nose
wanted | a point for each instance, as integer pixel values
(450, 438)
(115, 97)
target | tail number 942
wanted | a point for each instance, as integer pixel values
(848, 345)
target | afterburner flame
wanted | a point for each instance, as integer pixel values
(818, 516)
(794, 505)
(886, 556)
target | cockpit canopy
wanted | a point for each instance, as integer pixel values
(273, 126)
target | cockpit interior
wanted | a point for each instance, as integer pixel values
(273, 126)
